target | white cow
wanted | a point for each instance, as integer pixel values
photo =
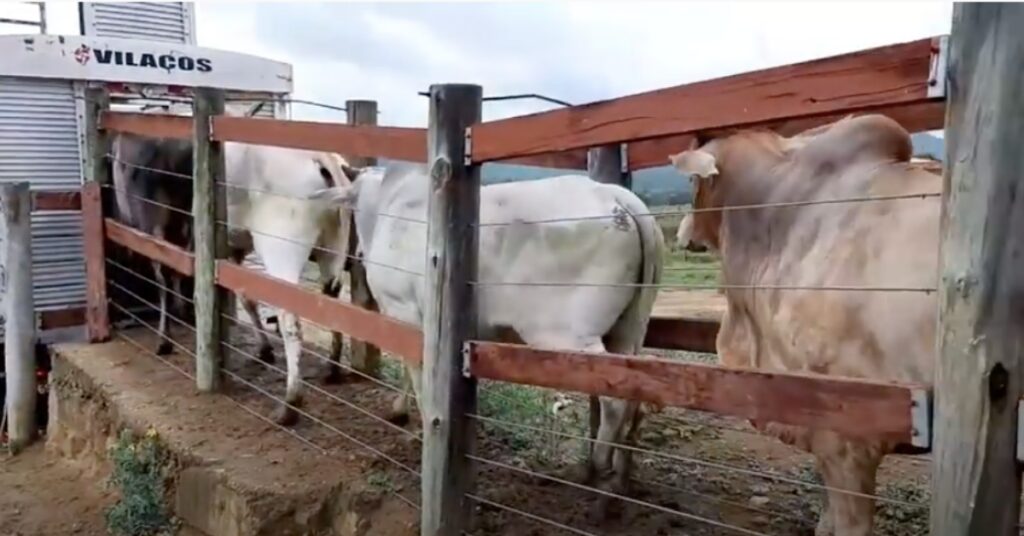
(270, 211)
(603, 241)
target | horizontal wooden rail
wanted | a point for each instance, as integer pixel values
(149, 246)
(49, 200)
(891, 76)
(390, 335)
(148, 125)
(918, 117)
(863, 409)
(409, 144)
(61, 318)
(688, 334)
(396, 143)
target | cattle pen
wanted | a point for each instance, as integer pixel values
(458, 474)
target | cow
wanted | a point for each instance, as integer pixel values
(149, 194)
(269, 212)
(607, 237)
(861, 334)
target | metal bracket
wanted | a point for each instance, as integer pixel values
(921, 418)
(1020, 431)
(938, 70)
(468, 153)
(467, 359)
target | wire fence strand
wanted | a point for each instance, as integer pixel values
(149, 201)
(694, 461)
(711, 498)
(612, 495)
(528, 515)
(324, 392)
(756, 206)
(113, 158)
(317, 355)
(266, 393)
(151, 281)
(827, 288)
(250, 357)
(291, 432)
(315, 247)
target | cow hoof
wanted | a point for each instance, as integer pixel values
(266, 354)
(335, 376)
(165, 348)
(604, 510)
(286, 416)
(399, 418)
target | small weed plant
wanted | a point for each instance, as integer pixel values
(138, 474)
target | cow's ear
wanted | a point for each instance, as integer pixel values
(351, 172)
(696, 162)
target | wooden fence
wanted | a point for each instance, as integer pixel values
(976, 477)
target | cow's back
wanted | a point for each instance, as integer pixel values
(583, 245)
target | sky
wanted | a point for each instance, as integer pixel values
(575, 51)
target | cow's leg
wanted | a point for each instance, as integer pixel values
(164, 347)
(291, 332)
(622, 459)
(285, 259)
(252, 309)
(331, 286)
(609, 424)
(411, 385)
(851, 466)
(266, 351)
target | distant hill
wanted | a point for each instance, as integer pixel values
(663, 185)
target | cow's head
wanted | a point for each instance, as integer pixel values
(700, 229)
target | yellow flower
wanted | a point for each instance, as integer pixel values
(151, 432)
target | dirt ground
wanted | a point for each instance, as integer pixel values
(43, 495)
(705, 475)
(720, 476)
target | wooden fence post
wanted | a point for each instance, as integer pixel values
(364, 357)
(97, 175)
(976, 481)
(19, 322)
(607, 164)
(209, 208)
(449, 318)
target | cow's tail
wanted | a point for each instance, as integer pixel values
(630, 329)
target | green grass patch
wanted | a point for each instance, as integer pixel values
(687, 268)
(140, 470)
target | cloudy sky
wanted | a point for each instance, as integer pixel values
(572, 50)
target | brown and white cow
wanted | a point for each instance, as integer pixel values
(866, 334)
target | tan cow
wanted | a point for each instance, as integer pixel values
(866, 334)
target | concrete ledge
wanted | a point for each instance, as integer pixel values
(233, 475)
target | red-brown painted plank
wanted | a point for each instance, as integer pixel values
(388, 334)
(148, 125)
(47, 200)
(97, 318)
(917, 117)
(162, 251)
(894, 75)
(409, 144)
(62, 318)
(688, 334)
(864, 409)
